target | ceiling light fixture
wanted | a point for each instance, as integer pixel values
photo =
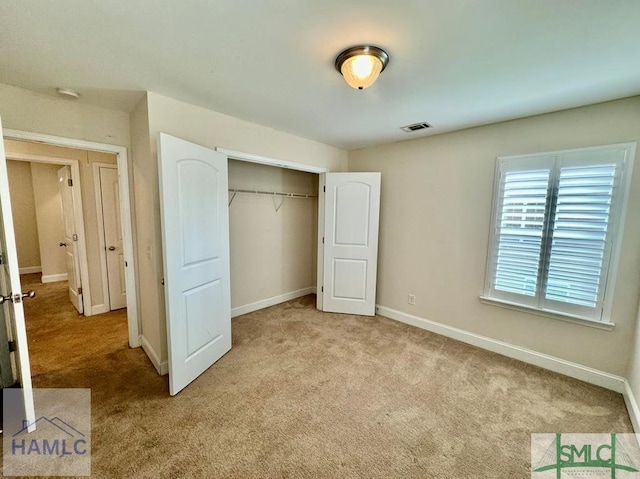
(66, 93)
(361, 65)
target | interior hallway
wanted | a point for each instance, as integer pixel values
(310, 395)
(63, 343)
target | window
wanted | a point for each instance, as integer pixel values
(556, 229)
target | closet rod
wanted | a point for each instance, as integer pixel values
(272, 193)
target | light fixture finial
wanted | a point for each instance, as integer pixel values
(361, 65)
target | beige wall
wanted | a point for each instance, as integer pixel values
(85, 160)
(435, 214)
(24, 214)
(272, 252)
(145, 177)
(155, 114)
(212, 129)
(46, 192)
(22, 109)
(633, 374)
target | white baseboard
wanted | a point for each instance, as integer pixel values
(632, 406)
(31, 270)
(99, 309)
(161, 367)
(52, 278)
(265, 303)
(568, 368)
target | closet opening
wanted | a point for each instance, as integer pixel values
(273, 230)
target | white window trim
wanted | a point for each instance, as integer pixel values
(618, 216)
(561, 316)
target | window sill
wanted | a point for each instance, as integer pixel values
(607, 326)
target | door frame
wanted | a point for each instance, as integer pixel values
(77, 212)
(126, 212)
(321, 217)
(97, 191)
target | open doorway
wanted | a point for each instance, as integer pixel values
(273, 220)
(61, 237)
(63, 234)
(49, 225)
(125, 208)
(67, 243)
(272, 234)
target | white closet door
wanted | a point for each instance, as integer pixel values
(195, 233)
(351, 219)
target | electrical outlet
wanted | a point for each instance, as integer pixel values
(412, 299)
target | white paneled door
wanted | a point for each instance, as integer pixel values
(195, 233)
(350, 257)
(70, 243)
(11, 293)
(110, 206)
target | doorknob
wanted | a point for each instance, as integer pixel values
(29, 294)
(112, 248)
(17, 297)
(62, 245)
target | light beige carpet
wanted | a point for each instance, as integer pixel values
(304, 394)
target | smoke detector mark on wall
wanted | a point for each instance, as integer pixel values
(415, 127)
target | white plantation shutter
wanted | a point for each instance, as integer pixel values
(554, 227)
(579, 244)
(522, 213)
(519, 222)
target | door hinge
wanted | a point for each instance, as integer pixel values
(324, 188)
(74, 237)
(323, 240)
(322, 289)
(70, 182)
(80, 290)
(12, 346)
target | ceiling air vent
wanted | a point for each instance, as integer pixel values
(415, 127)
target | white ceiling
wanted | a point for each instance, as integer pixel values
(454, 63)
